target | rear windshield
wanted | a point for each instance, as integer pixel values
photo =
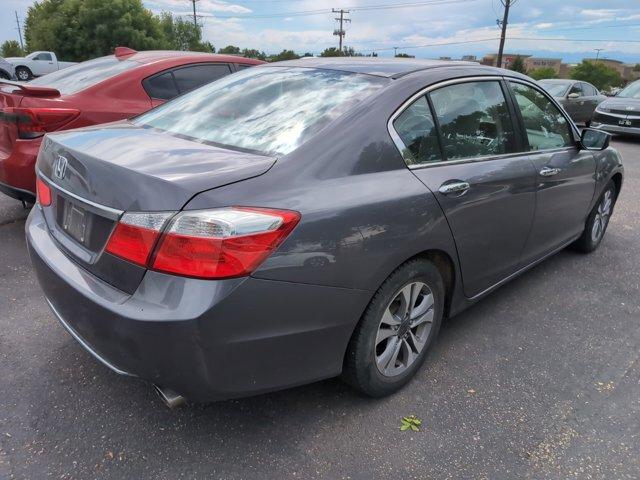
(269, 110)
(83, 75)
(555, 89)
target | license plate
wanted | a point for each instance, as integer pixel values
(75, 221)
(625, 123)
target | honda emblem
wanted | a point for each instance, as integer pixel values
(60, 167)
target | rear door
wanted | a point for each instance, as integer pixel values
(591, 100)
(461, 141)
(565, 174)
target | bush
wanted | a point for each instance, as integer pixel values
(544, 72)
(598, 74)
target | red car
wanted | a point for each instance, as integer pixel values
(97, 91)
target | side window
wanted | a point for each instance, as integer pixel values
(588, 90)
(546, 126)
(188, 78)
(576, 88)
(43, 56)
(242, 66)
(417, 130)
(161, 87)
(474, 120)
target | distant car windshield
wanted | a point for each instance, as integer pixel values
(270, 110)
(83, 75)
(555, 89)
(630, 91)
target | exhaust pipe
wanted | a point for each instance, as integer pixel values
(170, 398)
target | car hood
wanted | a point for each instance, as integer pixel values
(622, 103)
(128, 167)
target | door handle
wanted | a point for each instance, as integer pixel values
(454, 187)
(549, 172)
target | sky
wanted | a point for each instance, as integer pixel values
(568, 29)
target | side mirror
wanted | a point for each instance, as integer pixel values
(594, 139)
(573, 95)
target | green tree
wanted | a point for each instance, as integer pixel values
(11, 48)
(253, 53)
(404, 55)
(284, 55)
(636, 67)
(598, 74)
(82, 29)
(518, 65)
(308, 54)
(331, 52)
(180, 34)
(230, 50)
(543, 72)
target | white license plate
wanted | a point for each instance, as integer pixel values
(75, 222)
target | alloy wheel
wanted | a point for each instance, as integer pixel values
(404, 329)
(603, 212)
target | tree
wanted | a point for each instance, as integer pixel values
(253, 53)
(180, 34)
(284, 55)
(230, 50)
(82, 29)
(598, 74)
(543, 72)
(11, 48)
(331, 52)
(404, 55)
(308, 54)
(636, 67)
(518, 65)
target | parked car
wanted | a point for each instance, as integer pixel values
(97, 91)
(579, 99)
(7, 71)
(175, 246)
(37, 64)
(620, 114)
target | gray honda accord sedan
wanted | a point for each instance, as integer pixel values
(309, 219)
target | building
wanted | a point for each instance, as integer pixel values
(491, 59)
(626, 70)
(530, 63)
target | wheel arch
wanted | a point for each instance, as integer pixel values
(617, 180)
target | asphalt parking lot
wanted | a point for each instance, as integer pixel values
(540, 380)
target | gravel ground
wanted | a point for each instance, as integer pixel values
(539, 380)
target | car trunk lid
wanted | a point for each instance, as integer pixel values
(97, 173)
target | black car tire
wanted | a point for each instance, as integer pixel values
(360, 369)
(586, 243)
(23, 73)
(4, 75)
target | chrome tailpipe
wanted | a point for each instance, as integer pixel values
(170, 398)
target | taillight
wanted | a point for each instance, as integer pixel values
(218, 243)
(43, 192)
(222, 243)
(35, 122)
(135, 236)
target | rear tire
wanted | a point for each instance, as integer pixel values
(396, 331)
(23, 74)
(597, 221)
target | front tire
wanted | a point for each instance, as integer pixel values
(597, 221)
(23, 74)
(396, 330)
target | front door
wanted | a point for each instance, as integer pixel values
(565, 174)
(468, 157)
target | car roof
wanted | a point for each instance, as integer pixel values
(153, 56)
(382, 67)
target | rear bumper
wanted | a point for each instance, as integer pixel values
(17, 169)
(206, 340)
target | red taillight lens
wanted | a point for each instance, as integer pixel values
(35, 122)
(43, 192)
(135, 236)
(222, 243)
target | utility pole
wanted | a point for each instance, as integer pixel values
(598, 50)
(340, 32)
(505, 19)
(195, 17)
(19, 30)
(395, 51)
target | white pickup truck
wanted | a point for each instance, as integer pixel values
(36, 64)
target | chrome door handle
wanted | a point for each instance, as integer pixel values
(549, 172)
(454, 187)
